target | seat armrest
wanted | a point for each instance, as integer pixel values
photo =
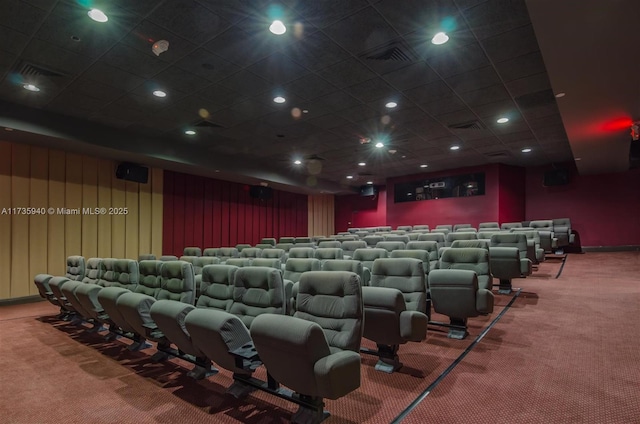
(366, 276)
(338, 374)
(413, 326)
(484, 301)
(383, 298)
(526, 266)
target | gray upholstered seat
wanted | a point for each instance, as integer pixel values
(295, 267)
(562, 231)
(486, 234)
(420, 254)
(470, 258)
(439, 238)
(198, 265)
(508, 258)
(390, 246)
(210, 251)
(349, 265)
(303, 240)
(328, 253)
(455, 293)
(488, 225)
(317, 357)
(444, 227)
(287, 240)
(224, 253)
(176, 281)
(462, 243)
(548, 240)
(451, 237)
(329, 244)
(239, 262)
(242, 246)
(421, 227)
(85, 296)
(431, 247)
(187, 258)
(367, 257)
(57, 298)
(268, 262)
(300, 252)
(395, 307)
(268, 240)
(146, 257)
(170, 315)
(350, 246)
(168, 258)
(404, 227)
(510, 225)
(251, 252)
(41, 282)
(192, 251)
(372, 240)
(534, 252)
(404, 238)
(457, 227)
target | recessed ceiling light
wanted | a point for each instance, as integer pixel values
(578, 158)
(297, 162)
(561, 95)
(75, 38)
(369, 182)
(391, 105)
(423, 166)
(409, 194)
(440, 38)
(455, 147)
(277, 27)
(190, 132)
(502, 120)
(349, 177)
(31, 87)
(526, 150)
(159, 93)
(97, 15)
(8, 129)
(379, 144)
(361, 163)
(279, 99)
(305, 111)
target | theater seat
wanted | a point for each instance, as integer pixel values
(251, 252)
(317, 357)
(242, 246)
(421, 227)
(327, 253)
(404, 227)
(168, 258)
(455, 293)
(372, 240)
(41, 282)
(390, 246)
(268, 262)
(488, 225)
(192, 251)
(510, 225)
(350, 246)
(367, 257)
(515, 240)
(268, 240)
(457, 227)
(534, 252)
(431, 247)
(224, 253)
(451, 237)
(85, 295)
(471, 258)
(395, 308)
(439, 238)
(146, 257)
(198, 265)
(76, 269)
(274, 254)
(288, 240)
(349, 265)
(548, 240)
(300, 252)
(562, 231)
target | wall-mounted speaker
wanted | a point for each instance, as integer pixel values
(556, 177)
(261, 192)
(132, 172)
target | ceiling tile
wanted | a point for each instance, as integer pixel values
(495, 17)
(490, 94)
(457, 61)
(429, 93)
(189, 19)
(474, 80)
(277, 68)
(241, 48)
(95, 89)
(328, 121)
(54, 58)
(207, 65)
(316, 52)
(324, 13)
(20, 16)
(520, 67)
(176, 79)
(530, 84)
(245, 83)
(511, 44)
(133, 61)
(411, 76)
(346, 73)
(443, 105)
(12, 41)
(309, 87)
(371, 90)
(109, 75)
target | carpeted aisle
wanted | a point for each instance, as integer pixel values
(54, 372)
(567, 352)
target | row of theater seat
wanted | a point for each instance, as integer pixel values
(159, 304)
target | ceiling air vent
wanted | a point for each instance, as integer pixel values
(393, 51)
(470, 125)
(500, 155)
(32, 70)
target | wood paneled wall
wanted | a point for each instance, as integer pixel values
(321, 215)
(205, 212)
(36, 177)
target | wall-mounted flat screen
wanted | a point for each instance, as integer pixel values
(466, 185)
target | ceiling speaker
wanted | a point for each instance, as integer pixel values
(261, 192)
(556, 177)
(132, 172)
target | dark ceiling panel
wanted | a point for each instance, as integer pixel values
(309, 87)
(511, 44)
(457, 61)
(495, 17)
(417, 15)
(21, 16)
(109, 75)
(316, 52)
(12, 41)
(324, 13)
(346, 73)
(486, 95)
(521, 67)
(54, 58)
(207, 65)
(474, 80)
(429, 93)
(131, 60)
(277, 68)
(189, 19)
(245, 83)
(371, 90)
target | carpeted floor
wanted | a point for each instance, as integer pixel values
(564, 352)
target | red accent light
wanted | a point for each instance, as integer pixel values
(617, 124)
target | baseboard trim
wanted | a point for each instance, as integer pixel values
(21, 300)
(627, 248)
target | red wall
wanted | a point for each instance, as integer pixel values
(511, 194)
(357, 211)
(459, 210)
(204, 212)
(604, 209)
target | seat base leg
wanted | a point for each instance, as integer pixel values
(139, 343)
(458, 329)
(96, 327)
(312, 414)
(389, 360)
(505, 286)
(199, 372)
(110, 337)
(240, 390)
(160, 356)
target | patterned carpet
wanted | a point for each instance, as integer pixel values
(566, 351)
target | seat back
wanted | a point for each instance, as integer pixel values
(301, 252)
(420, 254)
(242, 246)
(257, 290)
(487, 225)
(397, 237)
(210, 251)
(192, 251)
(455, 293)
(92, 271)
(361, 233)
(333, 300)
(327, 253)
(404, 227)
(444, 231)
(285, 246)
(251, 252)
(349, 265)
(287, 240)
(76, 268)
(305, 240)
(457, 227)
(239, 262)
(481, 244)
(367, 256)
(324, 244)
(444, 227)
(200, 262)
(404, 274)
(431, 247)
(225, 253)
(348, 247)
(514, 239)
(486, 235)
(439, 238)
(372, 241)
(149, 280)
(510, 225)
(177, 282)
(451, 237)
(390, 246)
(421, 227)
(273, 254)
(188, 258)
(146, 257)
(295, 267)
(542, 225)
(167, 258)
(268, 240)
(469, 258)
(268, 262)
(216, 290)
